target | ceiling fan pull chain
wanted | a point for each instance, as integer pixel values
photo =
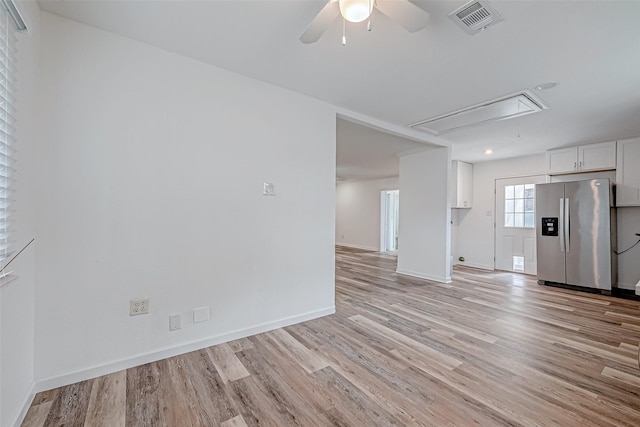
(344, 32)
(371, 9)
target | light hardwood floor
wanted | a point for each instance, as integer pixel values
(489, 349)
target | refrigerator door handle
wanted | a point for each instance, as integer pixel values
(567, 228)
(561, 224)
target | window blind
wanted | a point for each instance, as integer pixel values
(7, 102)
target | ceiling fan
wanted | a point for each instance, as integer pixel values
(405, 13)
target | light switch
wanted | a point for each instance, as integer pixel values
(174, 322)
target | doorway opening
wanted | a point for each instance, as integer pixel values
(390, 207)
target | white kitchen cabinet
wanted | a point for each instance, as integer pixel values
(562, 160)
(462, 184)
(583, 158)
(628, 173)
(600, 156)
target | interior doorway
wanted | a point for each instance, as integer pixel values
(389, 208)
(515, 227)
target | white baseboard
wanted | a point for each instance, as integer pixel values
(366, 248)
(130, 362)
(476, 265)
(440, 279)
(17, 422)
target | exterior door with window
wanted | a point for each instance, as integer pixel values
(515, 233)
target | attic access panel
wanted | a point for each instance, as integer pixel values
(507, 107)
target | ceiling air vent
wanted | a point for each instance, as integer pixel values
(475, 16)
(507, 107)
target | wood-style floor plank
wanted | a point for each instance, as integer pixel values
(107, 404)
(227, 363)
(144, 396)
(37, 415)
(70, 405)
(236, 421)
(488, 349)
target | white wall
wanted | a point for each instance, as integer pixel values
(358, 212)
(475, 226)
(424, 244)
(17, 299)
(150, 173)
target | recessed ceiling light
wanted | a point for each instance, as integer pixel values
(489, 151)
(545, 86)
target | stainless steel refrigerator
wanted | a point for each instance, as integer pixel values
(576, 234)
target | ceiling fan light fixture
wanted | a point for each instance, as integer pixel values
(356, 10)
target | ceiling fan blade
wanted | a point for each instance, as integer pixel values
(405, 13)
(321, 22)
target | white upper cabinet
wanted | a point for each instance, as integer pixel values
(562, 160)
(628, 173)
(583, 158)
(461, 184)
(600, 156)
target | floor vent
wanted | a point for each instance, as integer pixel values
(475, 16)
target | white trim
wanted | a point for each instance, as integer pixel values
(383, 219)
(6, 278)
(366, 248)
(25, 406)
(638, 289)
(487, 267)
(439, 279)
(15, 15)
(141, 359)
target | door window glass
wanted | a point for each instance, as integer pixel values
(519, 205)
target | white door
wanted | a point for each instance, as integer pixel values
(515, 232)
(389, 220)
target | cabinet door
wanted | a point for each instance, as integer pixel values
(465, 178)
(454, 184)
(600, 156)
(462, 184)
(562, 160)
(628, 173)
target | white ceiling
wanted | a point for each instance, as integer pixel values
(591, 48)
(366, 153)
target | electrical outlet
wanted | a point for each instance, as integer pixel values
(138, 306)
(174, 322)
